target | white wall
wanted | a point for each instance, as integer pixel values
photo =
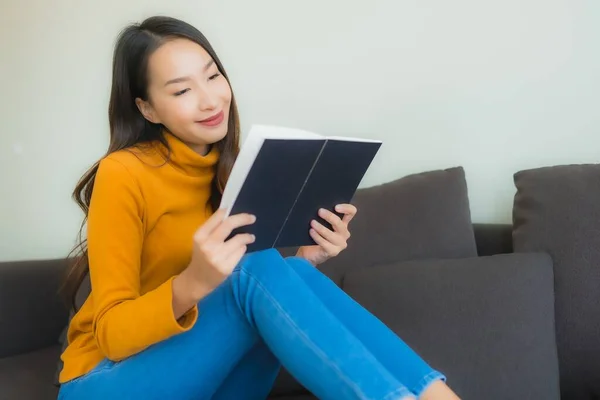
(494, 86)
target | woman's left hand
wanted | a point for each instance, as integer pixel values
(329, 242)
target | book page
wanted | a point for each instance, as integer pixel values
(240, 170)
(352, 139)
(280, 132)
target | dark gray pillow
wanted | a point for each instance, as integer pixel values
(420, 216)
(557, 210)
(486, 322)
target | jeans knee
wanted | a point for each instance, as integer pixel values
(300, 265)
(259, 262)
(255, 272)
(270, 263)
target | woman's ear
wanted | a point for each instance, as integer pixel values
(147, 110)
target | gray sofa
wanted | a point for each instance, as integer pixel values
(480, 302)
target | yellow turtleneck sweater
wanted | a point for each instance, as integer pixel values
(141, 221)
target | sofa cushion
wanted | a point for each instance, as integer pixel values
(486, 322)
(557, 210)
(419, 216)
(24, 287)
(29, 376)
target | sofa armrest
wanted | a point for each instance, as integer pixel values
(32, 315)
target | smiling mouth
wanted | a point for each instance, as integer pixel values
(214, 120)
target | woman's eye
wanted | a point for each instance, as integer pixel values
(214, 76)
(181, 92)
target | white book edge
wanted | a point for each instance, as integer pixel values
(352, 139)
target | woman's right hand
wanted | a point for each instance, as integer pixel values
(213, 259)
(213, 256)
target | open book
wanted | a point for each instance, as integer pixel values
(284, 175)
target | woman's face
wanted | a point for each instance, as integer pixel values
(187, 93)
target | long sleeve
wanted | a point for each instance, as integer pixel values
(125, 321)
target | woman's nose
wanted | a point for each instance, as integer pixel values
(207, 100)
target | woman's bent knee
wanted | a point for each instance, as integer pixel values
(260, 262)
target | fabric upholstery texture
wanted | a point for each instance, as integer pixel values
(557, 210)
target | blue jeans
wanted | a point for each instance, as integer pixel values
(270, 312)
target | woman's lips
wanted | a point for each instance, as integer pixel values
(214, 120)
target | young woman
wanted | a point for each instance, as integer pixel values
(176, 310)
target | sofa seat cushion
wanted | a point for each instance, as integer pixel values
(29, 376)
(487, 323)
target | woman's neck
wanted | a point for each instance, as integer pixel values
(192, 159)
(201, 149)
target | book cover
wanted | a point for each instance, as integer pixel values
(284, 176)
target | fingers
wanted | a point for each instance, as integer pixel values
(335, 221)
(211, 223)
(237, 242)
(234, 258)
(330, 249)
(348, 210)
(235, 248)
(333, 237)
(222, 232)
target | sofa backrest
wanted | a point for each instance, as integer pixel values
(493, 239)
(32, 314)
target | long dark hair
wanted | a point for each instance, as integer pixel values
(128, 128)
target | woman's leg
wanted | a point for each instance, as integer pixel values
(385, 345)
(263, 297)
(191, 365)
(252, 378)
(305, 336)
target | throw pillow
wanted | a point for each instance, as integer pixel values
(487, 323)
(419, 216)
(557, 210)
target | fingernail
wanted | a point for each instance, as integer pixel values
(321, 211)
(253, 238)
(253, 218)
(338, 208)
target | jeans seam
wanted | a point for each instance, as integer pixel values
(426, 380)
(320, 353)
(91, 373)
(65, 386)
(401, 391)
